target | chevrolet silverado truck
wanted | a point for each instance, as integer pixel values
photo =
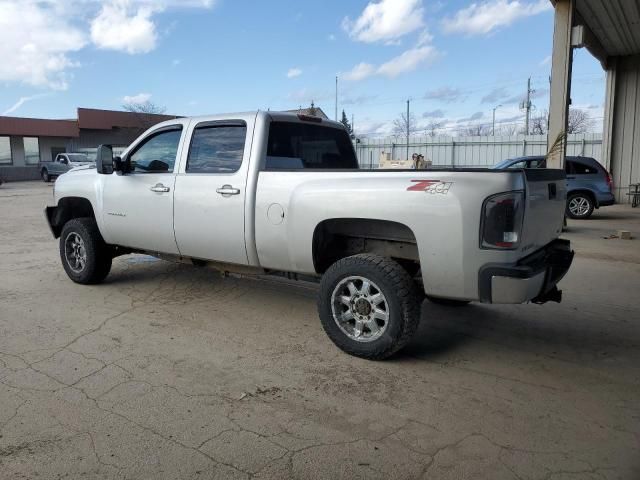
(280, 193)
(62, 164)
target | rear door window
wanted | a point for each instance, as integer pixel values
(216, 148)
(582, 169)
(300, 146)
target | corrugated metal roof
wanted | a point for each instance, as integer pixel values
(38, 127)
(616, 23)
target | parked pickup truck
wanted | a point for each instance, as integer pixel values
(267, 192)
(62, 164)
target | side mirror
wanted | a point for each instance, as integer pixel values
(104, 159)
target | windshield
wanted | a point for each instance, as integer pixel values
(77, 157)
(298, 146)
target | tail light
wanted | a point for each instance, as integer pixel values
(502, 217)
(610, 181)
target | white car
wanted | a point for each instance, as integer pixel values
(267, 192)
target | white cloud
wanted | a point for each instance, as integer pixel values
(359, 72)
(34, 51)
(175, 62)
(484, 17)
(407, 61)
(331, 37)
(124, 27)
(294, 72)
(546, 61)
(39, 37)
(21, 101)
(385, 20)
(139, 98)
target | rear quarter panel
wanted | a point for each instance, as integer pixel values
(445, 225)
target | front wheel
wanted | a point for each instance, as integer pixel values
(85, 256)
(369, 306)
(45, 175)
(579, 206)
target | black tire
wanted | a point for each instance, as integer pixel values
(449, 302)
(45, 175)
(98, 256)
(402, 299)
(582, 205)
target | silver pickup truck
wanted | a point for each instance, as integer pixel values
(62, 164)
(278, 193)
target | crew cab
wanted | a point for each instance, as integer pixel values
(62, 163)
(280, 193)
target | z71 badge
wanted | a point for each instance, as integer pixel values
(430, 186)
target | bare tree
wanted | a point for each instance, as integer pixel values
(147, 107)
(475, 130)
(538, 124)
(433, 128)
(400, 124)
(579, 121)
(510, 129)
(145, 113)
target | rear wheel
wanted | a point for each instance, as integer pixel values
(45, 175)
(369, 306)
(85, 256)
(579, 206)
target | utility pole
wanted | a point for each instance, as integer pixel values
(336, 117)
(353, 128)
(408, 130)
(493, 125)
(526, 106)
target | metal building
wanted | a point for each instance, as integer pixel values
(610, 30)
(25, 142)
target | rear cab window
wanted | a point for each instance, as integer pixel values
(302, 146)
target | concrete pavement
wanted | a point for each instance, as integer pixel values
(170, 371)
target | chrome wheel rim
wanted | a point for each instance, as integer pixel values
(579, 206)
(75, 252)
(360, 309)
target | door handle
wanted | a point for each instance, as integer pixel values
(159, 188)
(227, 190)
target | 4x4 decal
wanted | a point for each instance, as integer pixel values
(430, 186)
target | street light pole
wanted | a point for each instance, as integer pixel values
(493, 126)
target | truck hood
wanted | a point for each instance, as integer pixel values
(82, 166)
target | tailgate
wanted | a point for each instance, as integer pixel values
(546, 199)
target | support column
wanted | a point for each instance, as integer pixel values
(609, 111)
(561, 63)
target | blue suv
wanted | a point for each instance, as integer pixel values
(589, 185)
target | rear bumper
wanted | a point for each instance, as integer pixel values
(604, 200)
(533, 278)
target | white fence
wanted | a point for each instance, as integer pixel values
(472, 151)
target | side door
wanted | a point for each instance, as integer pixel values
(210, 192)
(138, 206)
(60, 165)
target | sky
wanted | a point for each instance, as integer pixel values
(454, 60)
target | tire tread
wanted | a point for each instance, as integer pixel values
(404, 288)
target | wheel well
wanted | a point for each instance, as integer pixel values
(338, 238)
(587, 193)
(67, 209)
